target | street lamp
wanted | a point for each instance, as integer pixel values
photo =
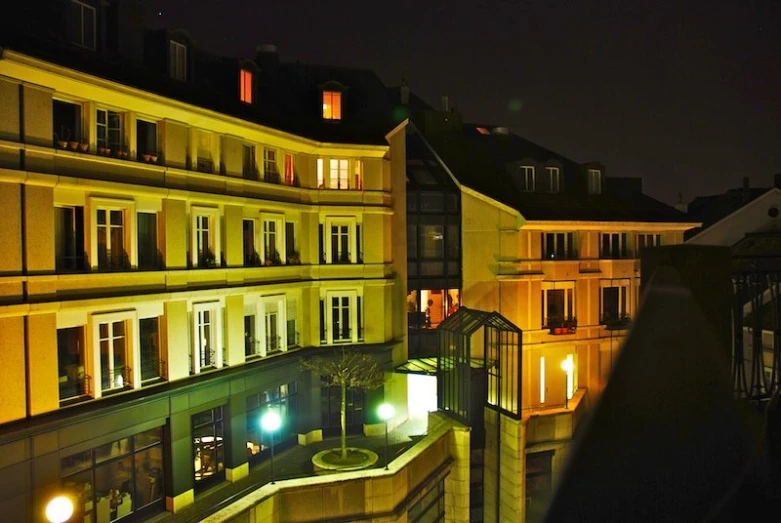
(567, 367)
(59, 509)
(270, 423)
(386, 412)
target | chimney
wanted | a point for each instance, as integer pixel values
(446, 103)
(777, 180)
(404, 91)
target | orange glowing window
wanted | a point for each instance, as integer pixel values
(358, 165)
(245, 89)
(289, 169)
(332, 105)
(483, 130)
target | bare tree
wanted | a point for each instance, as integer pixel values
(352, 369)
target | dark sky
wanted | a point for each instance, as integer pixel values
(685, 94)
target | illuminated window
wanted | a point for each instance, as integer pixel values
(594, 181)
(332, 105)
(320, 173)
(177, 61)
(358, 169)
(290, 169)
(113, 340)
(483, 130)
(245, 86)
(71, 357)
(338, 173)
(81, 24)
(341, 317)
(112, 246)
(554, 179)
(205, 237)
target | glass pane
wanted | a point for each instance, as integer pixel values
(76, 462)
(150, 437)
(114, 485)
(149, 476)
(112, 450)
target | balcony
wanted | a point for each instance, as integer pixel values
(559, 325)
(614, 322)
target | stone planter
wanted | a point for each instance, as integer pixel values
(358, 459)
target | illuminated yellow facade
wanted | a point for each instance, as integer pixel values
(150, 245)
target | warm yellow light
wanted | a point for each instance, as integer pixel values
(542, 379)
(386, 411)
(567, 365)
(59, 509)
(325, 107)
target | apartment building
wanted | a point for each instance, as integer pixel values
(178, 231)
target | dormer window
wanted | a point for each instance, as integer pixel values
(332, 105)
(245, 86)
(554, 179)
(177, 61)
(527, 178)
(81, 24)
(594, 181)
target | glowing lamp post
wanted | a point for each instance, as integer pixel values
(386, 412)
(270, 423)
(567, 367)
(59, 509)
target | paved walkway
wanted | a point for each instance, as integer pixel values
(295, 462)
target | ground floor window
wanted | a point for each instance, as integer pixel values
(283, 399)
(331, 404)
(431, 507)
(117, 479)
(208, 444)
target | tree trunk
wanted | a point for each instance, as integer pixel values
(343, 416)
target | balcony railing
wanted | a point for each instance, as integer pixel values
(561, 325)
(273, 343)
(153, 370)
(555, 255)
(72, 387)
(207, 359)
(116, 378)
(615, 321)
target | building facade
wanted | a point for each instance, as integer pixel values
(174, 243)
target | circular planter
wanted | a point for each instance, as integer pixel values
(329, 461)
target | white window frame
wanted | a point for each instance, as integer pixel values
(351, 222)
(214, 216)
(279, 222)
(339, 173)
(554, 178)
(528, 174)
(176, 69)
(594, 181)
(128, 207)
(132, 348)
(267, 161)
(278, 303)
(82, 43)
(321, 173)
(106, 110)
(215, 310)
(556, 286)
(352, 295)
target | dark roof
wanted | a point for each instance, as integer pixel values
(711, 209)
(289, 102)
(487, 162)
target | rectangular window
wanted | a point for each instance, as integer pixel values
(594, 181)
(66, 119)
(340, 243)
(558, 246)
(648, 240)
(251, 344)
(358, 244)
(431, 242)
(270, 172)
(149, 344)
(109, 127)
(320, 173)
(613, 246)
(272, 241)
(290, 169)
(282, 399)
(358, 175)
(148, 255)
(527, 178)
(340, 317)
(554, 179)
(114, 372)
(146, 140)
(272, 324)
(339, 174)
(293, 256)
(111, 240)
(70, 359)
(558, 308)
(245, 89)
(208, 433)
(205, 237)
(205, 162)
(207, 337)
(614, 302)
(69, 239)
(251, 254)
(332, 105)
(453, 241)
(81, 24)
(249, 168)
(292, 324)
(177, 61)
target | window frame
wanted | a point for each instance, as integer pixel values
(570, 246)
(351, 222)
(352, 295)
(594, 181)
(216, 334)
(120, 144)
(553, 173)
(332, 105)
(526, 171)
(278, 219)
(129, 236)
(175, 51)
(246, 90)
(132, 349)
(567, 314)
(624, 298)
(82, 43)
(214, 215)
(279, 301)
(623, 246)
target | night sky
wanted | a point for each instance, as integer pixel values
(686, 96)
